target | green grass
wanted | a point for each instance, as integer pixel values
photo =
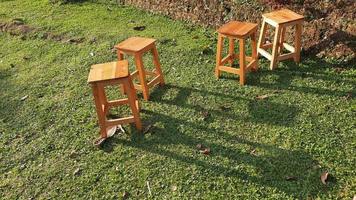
(305, 127)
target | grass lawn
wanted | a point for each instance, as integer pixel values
(274, 148)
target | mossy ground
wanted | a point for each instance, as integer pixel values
(305, 127)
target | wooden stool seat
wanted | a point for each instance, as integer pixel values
(281, 19)
(236, 30)
(108, 71)
(137, 46)
(113, 73)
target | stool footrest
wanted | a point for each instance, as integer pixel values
(289, 47)
(118, 102)
(226, 59)
(265, 53)
(286, 56)
(252, 64)
(229, 69)
(155, 81)
(115, 122)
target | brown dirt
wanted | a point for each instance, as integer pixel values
(329, 30)
(18, 28)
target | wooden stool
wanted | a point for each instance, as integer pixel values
(113, 73)
(137, 46)
(281, 20)
(237, 31)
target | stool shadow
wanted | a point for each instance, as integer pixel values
(265, 112)
(272, 167)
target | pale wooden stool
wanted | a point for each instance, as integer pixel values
(281, 19)
(137, 46)
(113, 73)
(235, 30)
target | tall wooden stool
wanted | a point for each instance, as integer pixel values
(235, 30)
(281, 20)
(137, 46)
(113, 73)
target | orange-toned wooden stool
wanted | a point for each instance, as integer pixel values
(241, 31)
(137, 46)
(113, 73)
(281, 19)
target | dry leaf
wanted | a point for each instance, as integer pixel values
(324, 177)
(174, 188)
(200, 146)
(148, 128)
(291, 178)
(125, 195)
(205, 115)
(206, 151)
(253, 152)
(139, 28)
(348, 96)
(24, 98)
(262, 97)
(99, 141)
(77, 172)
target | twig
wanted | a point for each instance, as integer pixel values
(149, 189)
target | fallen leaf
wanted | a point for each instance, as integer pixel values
(253, 152)
(324, 177)
(77, 172)
(262, 97)
(205, 115)
(200, 146)
(354, 197)
(98, 142)
(121, 129)
(24, 98)
(174, 188)
(339, 70)
(224, 108)
(91, 54)
(75, 40)
(291, 178)
(109, 9)
(139, 28)
(206, 151)
(348, 96)
(125, 195)
(147, 128)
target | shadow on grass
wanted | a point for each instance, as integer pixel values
(315, 70)
(272, 168)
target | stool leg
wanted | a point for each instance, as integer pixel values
(219, 55)
(131, 95)
(297, 46)
(120, 56)
(142, 76)
(99, 109)
(254, 50)
(242, 61)
(262, 39)
(281, 41)
(157, 64)
(231, 51)
(275, 48)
